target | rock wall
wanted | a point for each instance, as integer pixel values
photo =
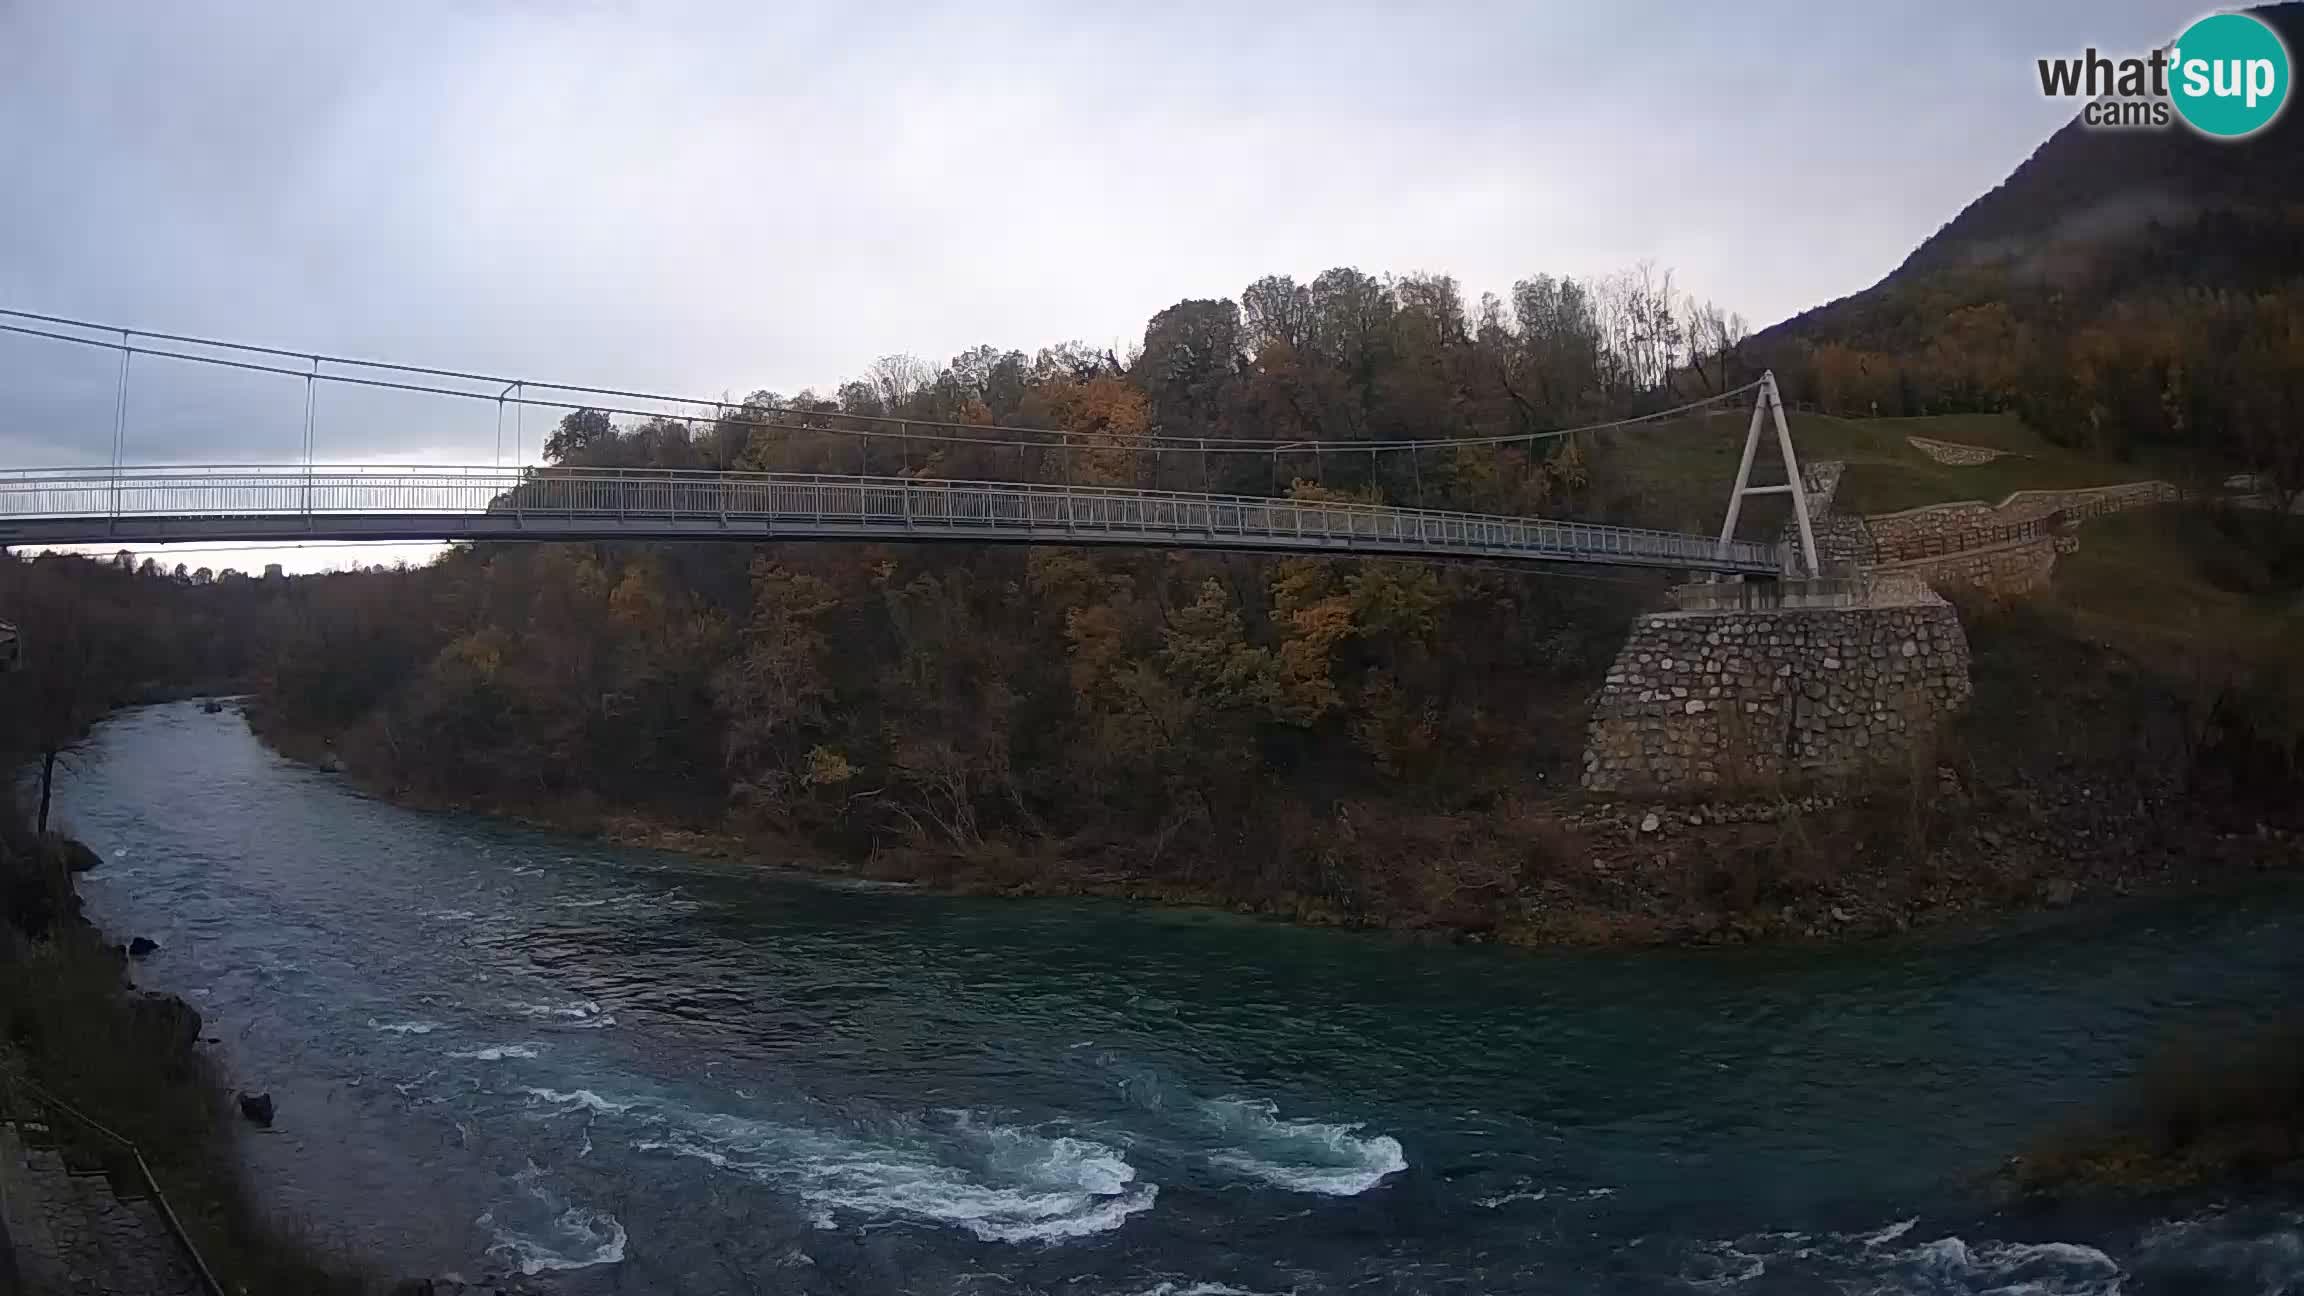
(1842, 540)
(1943, 528)
(1955, 453)
(2007, 571)
(1821, 480)
(1712, 703)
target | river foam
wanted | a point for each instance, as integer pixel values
(2258, 1250)
(575, 1014)
(497, 1052)
(1199, 1290)
(2045, 1268)
(1949, 1265)
(1000, 1183)
(579, 1099)
(537, 1229)
(1248, 1136)
(1521, 1191)
(1330, 1158)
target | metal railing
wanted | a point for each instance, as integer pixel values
(1944, 544)
(81, 505)
(130, 1160)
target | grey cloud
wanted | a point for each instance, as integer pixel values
(718, 197)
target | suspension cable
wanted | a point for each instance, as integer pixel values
(752, 415)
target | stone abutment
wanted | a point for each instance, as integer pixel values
(1743, 700)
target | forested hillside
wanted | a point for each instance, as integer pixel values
(2126, 291)
(1190, 713)
(98, 635)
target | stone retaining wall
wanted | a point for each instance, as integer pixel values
(1955, 453)
(1893, 588)
(2008, 571)
(1821, 480)
(1945, 527)
(1740, 595)
(1842, 540)
(1698, 704)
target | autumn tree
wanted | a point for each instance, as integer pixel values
(579, 431)
(773, 691)
(1106, 421)
(80, 653)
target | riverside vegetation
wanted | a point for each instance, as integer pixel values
(2234, 1119)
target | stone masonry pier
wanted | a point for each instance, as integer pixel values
(1770, 686)
(1763, 692)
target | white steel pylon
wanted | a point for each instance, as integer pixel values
(1770, 406)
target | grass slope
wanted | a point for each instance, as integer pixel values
(2175, 583)
(1676, 474)
(1993, 431)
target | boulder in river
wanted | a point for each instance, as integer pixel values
(176, 1022)
(142, 946)
(457, 1287)
(76, 854)
(212, 706)
(257, 1107)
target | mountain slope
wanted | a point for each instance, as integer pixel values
(2123, 290)
(2098, 210)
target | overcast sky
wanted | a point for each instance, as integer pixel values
(719, 197)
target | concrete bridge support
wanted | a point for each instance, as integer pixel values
(1749, 689)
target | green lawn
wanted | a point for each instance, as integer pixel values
(1996, 431)
(1676, 474)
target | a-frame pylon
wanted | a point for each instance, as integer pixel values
(1769, 406)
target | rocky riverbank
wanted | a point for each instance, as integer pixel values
(136, 1062)
(2079, 771)
(2217, 1110)
(1574, 870)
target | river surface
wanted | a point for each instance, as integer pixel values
(499, 1050)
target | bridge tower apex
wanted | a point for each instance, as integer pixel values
(1770, 407)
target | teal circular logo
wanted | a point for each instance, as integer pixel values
(2228, 75)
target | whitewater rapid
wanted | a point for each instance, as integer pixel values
(998, 1182)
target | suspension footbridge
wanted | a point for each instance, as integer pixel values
(244, 504)
(127, 503)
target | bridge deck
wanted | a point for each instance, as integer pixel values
(271, 503)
